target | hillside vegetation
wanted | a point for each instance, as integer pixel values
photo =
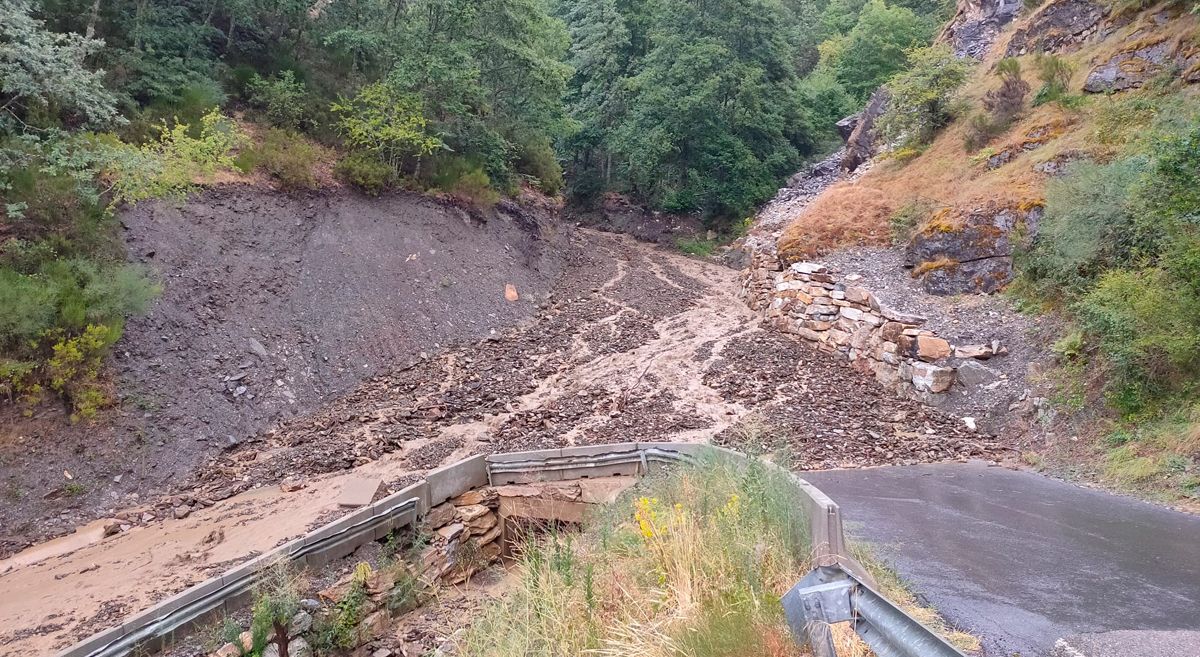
(1114, 172)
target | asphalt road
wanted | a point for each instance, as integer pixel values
(1024, 561)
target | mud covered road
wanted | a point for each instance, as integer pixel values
(631, 343)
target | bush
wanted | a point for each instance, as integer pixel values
(1005, 103)
(693, 565)
(537, 159)
(1089, 226)
(281, 98)
(903, 222)
(922, 97)
(464, 178)
(981, 130)
(366, 172)
(289, 158)
(1148, 326)
(1055, 74)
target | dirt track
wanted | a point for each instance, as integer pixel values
(635, 343)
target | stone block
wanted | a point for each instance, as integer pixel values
(932, 349)
(932, 378)
(852, 314)
(972, 373)
(359, 491)
(457, 478)
(858, 295)
(892, 331)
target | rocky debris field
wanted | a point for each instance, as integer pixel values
(634, 344)
(812, 412)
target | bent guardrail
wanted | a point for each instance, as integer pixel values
(222, 595)
(830, 595)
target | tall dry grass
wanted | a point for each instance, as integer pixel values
(693, 563)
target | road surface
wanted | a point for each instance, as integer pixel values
(1026, 562)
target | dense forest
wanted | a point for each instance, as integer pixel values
(698, 106)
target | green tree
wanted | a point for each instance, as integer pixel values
(876, 48)
(41, 70)
(921, 97)
(388, 122)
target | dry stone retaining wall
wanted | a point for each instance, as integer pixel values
(843, 318)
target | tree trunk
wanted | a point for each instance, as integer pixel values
(92, 18)
(229, 44)
(281, 638)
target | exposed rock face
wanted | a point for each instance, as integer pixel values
(976, 23)
(1058, 27)
(1130, 69)
(973, 253)
(860, 145)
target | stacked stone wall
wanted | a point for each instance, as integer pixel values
(841, 317)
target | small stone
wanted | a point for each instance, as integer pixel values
(301, 623)
(291, 485)
(182, 512)
(970, 422)
(112, 527)
(486, 496)
(472, 511)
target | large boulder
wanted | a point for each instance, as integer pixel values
(861, 144)
(970, 253)
(1057, 27)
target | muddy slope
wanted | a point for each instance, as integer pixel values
(272, 306)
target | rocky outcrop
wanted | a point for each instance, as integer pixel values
(862, 139)
(1130, 69)
(1057, 27)
(971, 253)
(976, 24)
(842, 317)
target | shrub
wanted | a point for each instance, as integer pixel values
(981, 129)
(537, 159)
(1006, 102)
(695, 562)
(388, 122)
(464, 178)
(1055, 74)
(1148, 327)
(1090, 224)
(922, 97)
(289, 158)
(696, 246)
(366, 172)
(903, 222)
(169, 166)
(281, 98)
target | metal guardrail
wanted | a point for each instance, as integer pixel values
(830, 594)
(891, 632)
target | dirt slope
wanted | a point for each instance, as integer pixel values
(272, 305)
(636, 343)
